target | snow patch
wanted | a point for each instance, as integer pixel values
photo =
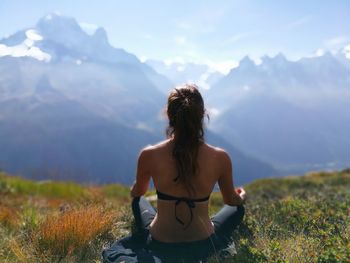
(346, 51)
(28, 42)
(320, 52)
(33, 35)
(23, 50)
(257, 61)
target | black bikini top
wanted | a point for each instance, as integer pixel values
(189, 202)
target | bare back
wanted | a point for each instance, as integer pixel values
(165, 227)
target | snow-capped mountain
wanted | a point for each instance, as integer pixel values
(74, 107)
(293, 114)
(56, 37)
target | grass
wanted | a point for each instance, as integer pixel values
(73, 232)
(291, 219)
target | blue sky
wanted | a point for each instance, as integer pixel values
(218, 32)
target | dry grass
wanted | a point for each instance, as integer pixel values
(73, 231)
(8, 216)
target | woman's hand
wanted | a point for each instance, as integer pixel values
(242, 193)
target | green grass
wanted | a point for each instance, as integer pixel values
(291, 219)
(46, 188)
(296, 219)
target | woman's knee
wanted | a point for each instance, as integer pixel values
(135, 204)
(241, 209)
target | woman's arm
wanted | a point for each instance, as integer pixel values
(143, 175)
(229, 194)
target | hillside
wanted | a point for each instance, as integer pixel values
(291, 219)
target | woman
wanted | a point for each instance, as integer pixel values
(184, 170)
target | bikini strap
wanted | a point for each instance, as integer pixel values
(189, 202)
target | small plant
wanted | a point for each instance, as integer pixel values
(8, 216)
(73, 231)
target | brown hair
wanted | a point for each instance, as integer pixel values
(186, 111)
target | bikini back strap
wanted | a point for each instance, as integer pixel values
(189, 202)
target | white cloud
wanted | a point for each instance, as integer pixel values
(143, 126)
(297, 23)
(336, 41)
(177, 59)
(223, 67)
(235, 38)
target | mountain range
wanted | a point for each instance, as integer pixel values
(72, 107)
(292, 114)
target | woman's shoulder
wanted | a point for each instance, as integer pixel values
(155, 147)
(217, 151)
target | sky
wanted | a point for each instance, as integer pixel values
(218, 33)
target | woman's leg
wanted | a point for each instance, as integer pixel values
(226, 220)
(143, 211)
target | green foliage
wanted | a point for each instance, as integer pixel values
(46, 188)
(296, 219)
(115, 191)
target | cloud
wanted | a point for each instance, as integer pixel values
(223, 67)
(177, 59)
(336, 41)
(297, 23)
(238, 37)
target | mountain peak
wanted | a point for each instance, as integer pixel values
(246, 62)
(54, 22)
(277, 60)
(101, 35)
(280, 57)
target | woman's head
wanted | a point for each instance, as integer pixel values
(185, 110)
